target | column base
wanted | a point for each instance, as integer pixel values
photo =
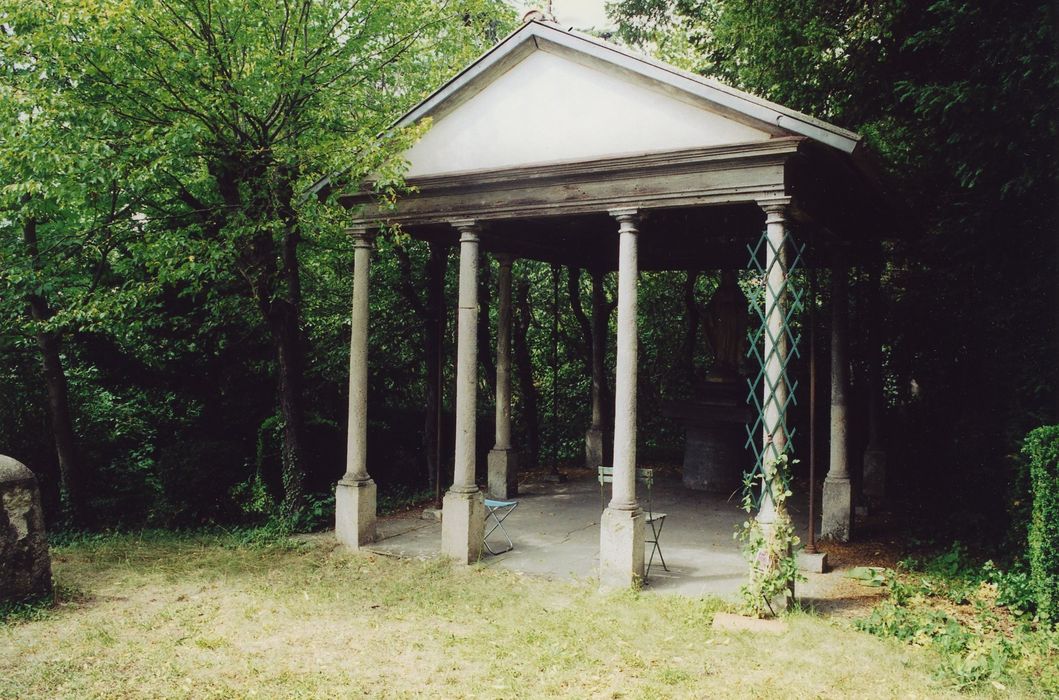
(355, 513)
(503, 474)
(463, 526)
(621, 549)
(815, 563)
(594, 449)
(837, 510)
(874, 485)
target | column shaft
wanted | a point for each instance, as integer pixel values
(502, 460)
(775, 349)
(503, 357)
(466, 363)
(356, 445)
(837, 516)
(839, 468)
(621, 527)
(463, 512)
(624, 494)
(355, 493)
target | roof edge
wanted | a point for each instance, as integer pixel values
(708, 89)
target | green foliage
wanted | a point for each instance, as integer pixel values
(399, 498)
(957, 98)
(156, 151)
(1041, 450)
(252, 496)
(771, 551)
(1014, 588)
(973, 617)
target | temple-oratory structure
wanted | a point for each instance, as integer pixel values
(559, 147)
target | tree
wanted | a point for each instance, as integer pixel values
(65, 220)
(958, 98)
(236, 108)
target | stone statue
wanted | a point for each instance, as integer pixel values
(725, 321)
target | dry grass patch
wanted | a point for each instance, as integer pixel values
(207, 617)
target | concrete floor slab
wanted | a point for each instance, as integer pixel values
(555, 530)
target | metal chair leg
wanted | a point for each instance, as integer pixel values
(499, 514)
(658, 547)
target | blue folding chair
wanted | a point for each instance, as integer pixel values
(497, 512)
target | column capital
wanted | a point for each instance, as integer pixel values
(363, 236)
(775, 208)
(468, 228)
(505, 259)
(629, 216)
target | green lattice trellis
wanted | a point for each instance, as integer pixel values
(763, 259)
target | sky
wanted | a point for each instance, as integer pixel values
(579, 14)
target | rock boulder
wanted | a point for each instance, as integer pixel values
(25, 568)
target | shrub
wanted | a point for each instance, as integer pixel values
(1041, 450)
(975, 618)
(196, 478)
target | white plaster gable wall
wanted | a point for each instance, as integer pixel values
(550, 109)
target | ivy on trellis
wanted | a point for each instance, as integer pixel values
(770, 551)
(791, 299)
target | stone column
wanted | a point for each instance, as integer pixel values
(463, 513)
(621, 532)
(355, 492)
(775, 390)
(838, 492)
(874, 481)
(594, 435)
(503, 461)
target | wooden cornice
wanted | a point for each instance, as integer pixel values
(700, 176)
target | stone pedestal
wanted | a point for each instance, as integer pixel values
(874, 483)
(355, 512)
(503, 474)
(463, 526)
(25, 568)
(815, 563)
(621, 549)
(837, 508)
(715, 455)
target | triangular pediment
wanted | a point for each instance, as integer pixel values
(547, 95)
(548, 108)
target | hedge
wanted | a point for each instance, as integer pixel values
(1041, 449)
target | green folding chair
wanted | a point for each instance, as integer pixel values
(655, 521)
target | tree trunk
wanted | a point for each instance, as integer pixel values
(285, 331)
(434, 336)
(600, 325)
(433, 316)
(485, 340)
(275, 284)
(58, 391)
(585, 343)
(289, 342)
(691, 314)
(530, 420)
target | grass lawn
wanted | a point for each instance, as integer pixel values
(208, 616)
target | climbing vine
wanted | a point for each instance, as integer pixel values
(769, 549)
